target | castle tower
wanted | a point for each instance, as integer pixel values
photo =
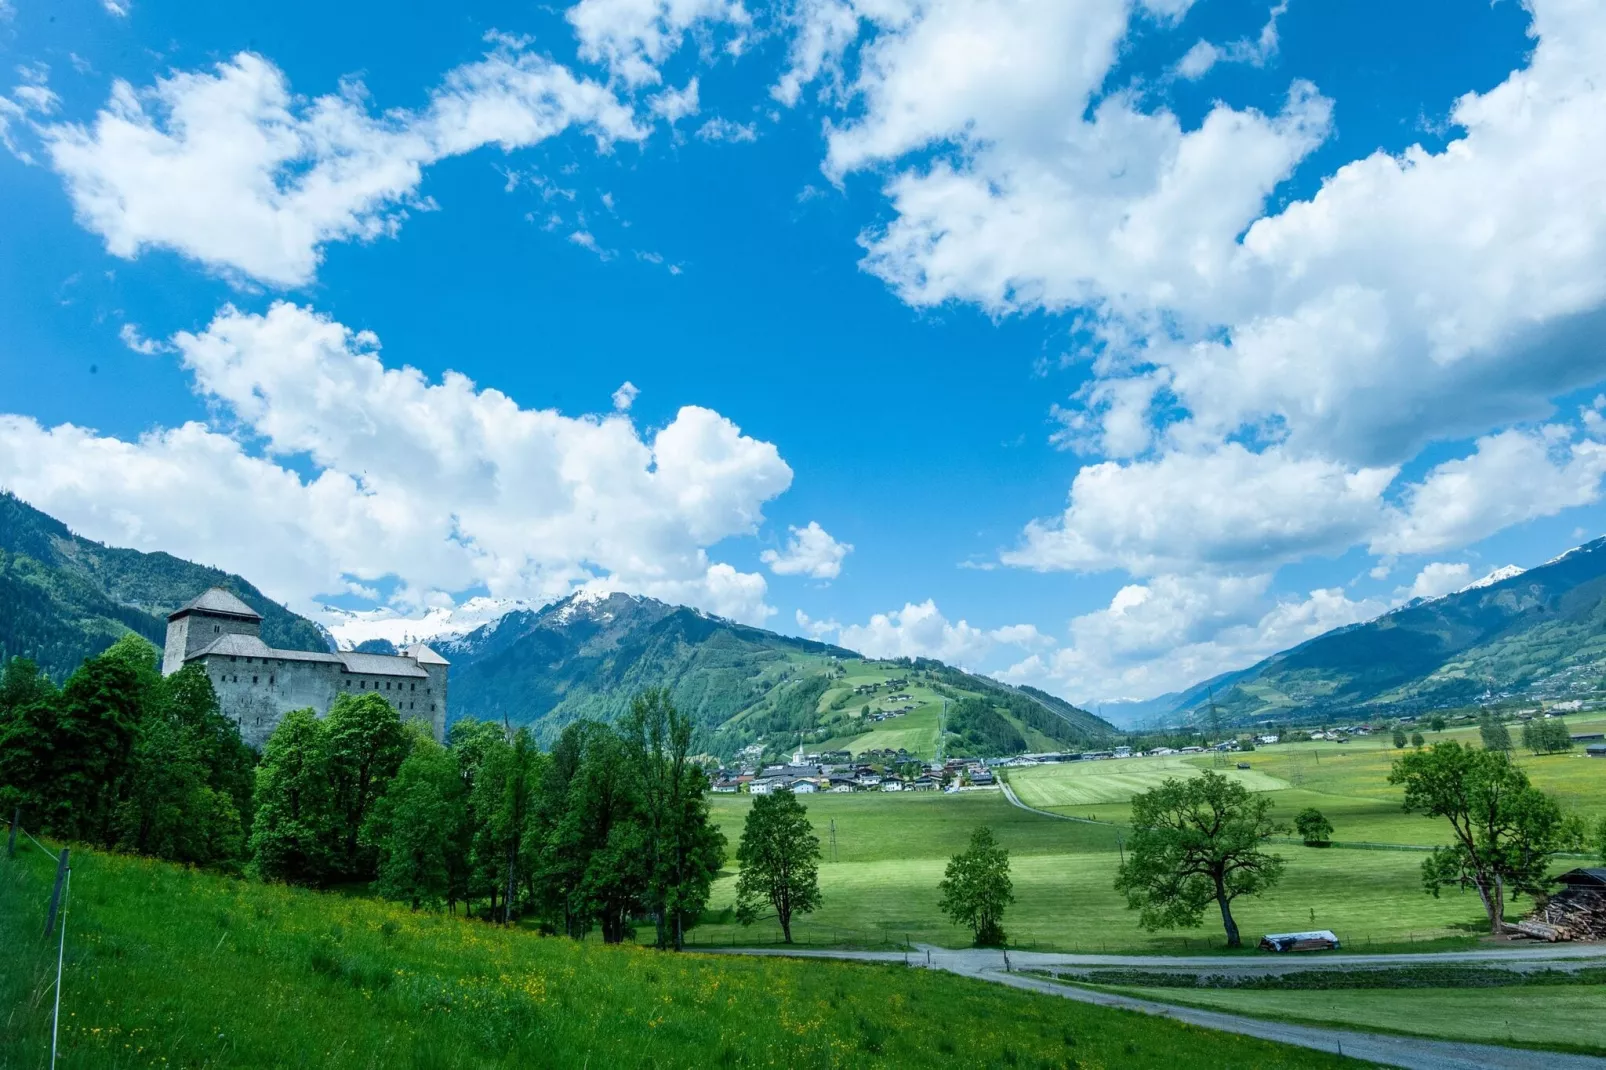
(203, 620)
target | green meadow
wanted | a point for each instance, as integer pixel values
(172, 967)
(1562, 1017)
(1346, 781)
(880, 888)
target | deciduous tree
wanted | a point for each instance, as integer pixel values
(290, 837)
(780, 858)
(415, 825)
(1195, 842)
(1313, 827)
(1494, 734)
(366, 746)
(976, 888)
(1505, 829)
(684, 847)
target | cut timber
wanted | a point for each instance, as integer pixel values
(1539, 930)
(1577, 912)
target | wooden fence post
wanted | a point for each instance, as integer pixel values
(11, 843)
(55, 894)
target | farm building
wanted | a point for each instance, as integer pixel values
(1596, 750)
(1576, 912)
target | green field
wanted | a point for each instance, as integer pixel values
(1564, 1017)
(891, 851)
(1070, 784)
(1348, 782)
(172, 967)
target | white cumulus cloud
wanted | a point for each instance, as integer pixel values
(230, 168)
(367, 472)
(810, 551)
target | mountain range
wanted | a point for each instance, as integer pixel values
(1520, 634)
(1539, 633)
(64, 598)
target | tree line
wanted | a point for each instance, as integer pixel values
(610, 827)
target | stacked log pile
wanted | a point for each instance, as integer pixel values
(1571, 914)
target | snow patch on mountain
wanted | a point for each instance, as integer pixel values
(351, 627)
(1504, 572)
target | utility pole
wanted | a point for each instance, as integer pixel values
(942, 728)
(833, 839)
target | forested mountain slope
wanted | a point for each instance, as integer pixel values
(1534, 634)
(587, 655)
(64, 598)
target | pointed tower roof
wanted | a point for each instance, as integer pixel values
(218, 602)
(424, 655)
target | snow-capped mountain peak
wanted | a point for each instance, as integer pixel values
(1504, 572)
(351, 627)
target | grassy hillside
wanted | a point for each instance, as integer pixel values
(64, 598)
(586, 657)
(170, 967)
(1540, 634)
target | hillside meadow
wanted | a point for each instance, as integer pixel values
(172, 967)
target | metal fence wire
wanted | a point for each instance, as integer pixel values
(60, 900)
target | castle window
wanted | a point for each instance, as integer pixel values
(387, 685)
(270, 681)
(253, 679)
(217, 628)
(412, 687)
(362, 685)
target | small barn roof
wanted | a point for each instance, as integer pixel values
(1594, 877)
(216, 600)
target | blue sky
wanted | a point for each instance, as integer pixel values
(1122, 343)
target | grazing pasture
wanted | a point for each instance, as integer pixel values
(173, 967)
(881, 889)
(1073, 784)
(1561, 1017)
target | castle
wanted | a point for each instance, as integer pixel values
(257, 685)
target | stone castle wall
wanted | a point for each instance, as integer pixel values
(258, 692)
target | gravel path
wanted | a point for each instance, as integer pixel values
(1414, 1053)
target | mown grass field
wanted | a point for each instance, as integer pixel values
(891, 851)
(1562, 1017)
(1348, 782)
(1071, 784)
(170, 967)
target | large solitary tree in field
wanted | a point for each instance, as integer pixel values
(976, 888)
(1196, 842)
(1505, 829)
(780, 857)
